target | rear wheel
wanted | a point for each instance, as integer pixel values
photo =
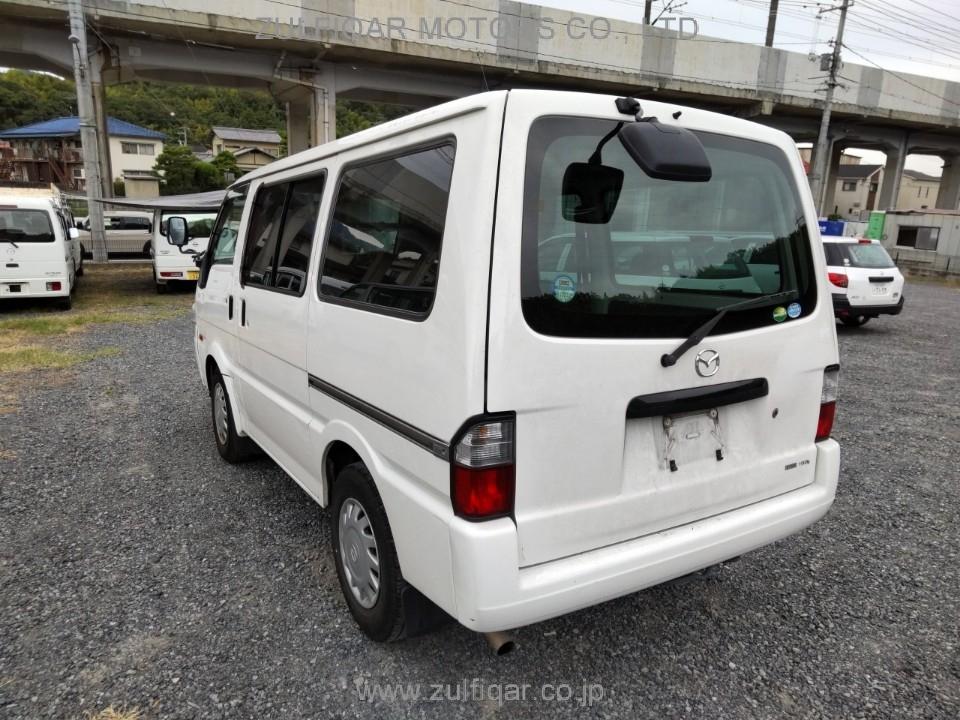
(384, 605)
(232, 447)
(855, 320)
(160, 287)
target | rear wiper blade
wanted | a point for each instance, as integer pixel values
(669, 359)
(3, 239)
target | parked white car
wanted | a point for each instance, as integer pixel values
(174, 258)
(864, 280)
(534, 350)
(40, 254)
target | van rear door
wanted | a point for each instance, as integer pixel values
(610, 444)
(30, 247)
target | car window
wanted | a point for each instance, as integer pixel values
(383, 244)
(223, 241)
(671, 253)
(25, 226)
(260, 245)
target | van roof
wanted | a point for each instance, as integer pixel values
(719, 122)
(27, 202)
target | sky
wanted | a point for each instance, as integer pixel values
(909, 36)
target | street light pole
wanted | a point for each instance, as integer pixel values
(821, 153)
(88, 130)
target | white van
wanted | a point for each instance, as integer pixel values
(174, 257)
(534, 349)
(864, 281)
(40, 254)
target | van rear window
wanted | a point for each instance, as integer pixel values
(25, 226)
(672, 252)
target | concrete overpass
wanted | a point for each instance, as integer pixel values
(310, 52)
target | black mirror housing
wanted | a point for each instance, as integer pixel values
(178, 232)
(591, 192)
(666, 152)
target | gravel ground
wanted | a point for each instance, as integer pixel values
(138, 569)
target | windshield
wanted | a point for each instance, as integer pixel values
(861, 255)
(25, 226)
(673, 252)
(199, 225)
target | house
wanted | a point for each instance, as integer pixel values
(918, 191)
(252, 148)
(857, 188)
(50, 151)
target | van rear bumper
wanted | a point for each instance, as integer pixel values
(493, 593)
(33, 288)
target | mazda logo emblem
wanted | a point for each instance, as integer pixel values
(707, 363)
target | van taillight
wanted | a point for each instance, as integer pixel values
(54, 286)
(482, 477)
(838, 279)
(828, 402)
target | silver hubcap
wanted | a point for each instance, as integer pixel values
(220, 413)
(359, 555)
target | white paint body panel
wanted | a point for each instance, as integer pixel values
(595, 518)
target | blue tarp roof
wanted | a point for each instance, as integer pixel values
(67, 126)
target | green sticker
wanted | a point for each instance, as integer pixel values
(779, 313)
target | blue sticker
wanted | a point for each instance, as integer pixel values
(564, 288)
(794, 310)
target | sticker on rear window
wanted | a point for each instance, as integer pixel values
(779, 313)
(564, 288)
(794, 310)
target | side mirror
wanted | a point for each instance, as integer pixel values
(74, 233)
(666, 152)
(591, 192)
(178, 233)
(79, 224)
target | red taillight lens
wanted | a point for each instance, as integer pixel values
(865, 241)
(171, 274)
(838, 279)
(825, 422)
(828, 402)
(54, 286)
(482, 477)
(482, 493)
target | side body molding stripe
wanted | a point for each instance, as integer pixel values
(428, 442)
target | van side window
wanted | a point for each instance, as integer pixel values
(283, 221)
(223, 240)
(383, 244)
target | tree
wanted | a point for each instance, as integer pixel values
(226, 163)
(177, 166)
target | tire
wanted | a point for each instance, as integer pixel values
(230, 445)
(855, 320)
(160, 287)
(65, 303)
(395, 610)
(80, 269)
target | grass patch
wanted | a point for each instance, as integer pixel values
(113, 713)
(22, 359)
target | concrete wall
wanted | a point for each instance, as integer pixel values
(948, 243)
(916, 194)
(121, 161)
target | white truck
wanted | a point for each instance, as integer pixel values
(40, 255)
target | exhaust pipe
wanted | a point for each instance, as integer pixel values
(501, 642)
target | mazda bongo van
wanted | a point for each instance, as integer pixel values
(534, 350)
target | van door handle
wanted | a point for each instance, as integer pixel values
(243, 313)
(230, 307)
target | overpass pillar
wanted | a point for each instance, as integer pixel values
(949, 196)
(311, 104)
(892, 175)
(829, 205)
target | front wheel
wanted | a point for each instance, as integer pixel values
(232, 447)
(385, 607)
(855, 320)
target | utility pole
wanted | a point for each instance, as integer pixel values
(822, 151)
(647, 11)
(772, 22)
(88, 129)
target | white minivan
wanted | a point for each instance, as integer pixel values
(40, 255)
(174, 256)
(534, 349)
